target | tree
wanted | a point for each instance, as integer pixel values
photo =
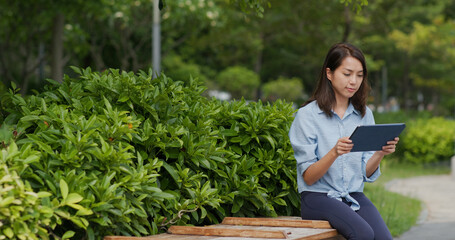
(430, 58)
(392, 33)
(290, 90)
(239, 81)
(27, 47)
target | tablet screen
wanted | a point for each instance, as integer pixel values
(373, 137)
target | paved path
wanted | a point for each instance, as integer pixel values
(437, 220)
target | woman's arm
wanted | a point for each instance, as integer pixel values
(319, 168)
(375, 160)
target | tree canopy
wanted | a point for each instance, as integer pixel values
(409, 44)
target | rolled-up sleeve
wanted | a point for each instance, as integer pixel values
(303, 140)
(365, 157)
(369, 120)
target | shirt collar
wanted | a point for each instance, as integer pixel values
(350, 110)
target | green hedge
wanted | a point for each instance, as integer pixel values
(425, 140)
(124, 154)
(428, 140)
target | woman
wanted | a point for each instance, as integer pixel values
(331, 178)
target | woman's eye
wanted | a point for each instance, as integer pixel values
(347, 74)
(360, 76)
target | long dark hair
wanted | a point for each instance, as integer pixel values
(324, 93)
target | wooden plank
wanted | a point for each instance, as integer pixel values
(227, 232)
(291, 233)
(318, 236)
(276, 222)
(296, 234)
(162, 236)
(128, 238)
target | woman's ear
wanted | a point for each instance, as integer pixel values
(328, 72)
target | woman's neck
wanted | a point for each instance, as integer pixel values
(341, 107)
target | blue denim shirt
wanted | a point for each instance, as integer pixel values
(313, 134)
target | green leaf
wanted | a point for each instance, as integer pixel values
(81, 222)
(68, 235)
(90, 233)
(236, 149)
(270, 139)
(280, 201)
(63, 188)
(123, 98)
(7, 201)
(171, 171)
(75, 206)
(63, 214)
(8, 232)
(162, 195)
(229, 133)
(245, 141)
(219, 159)
(30, 118)
(203, 212)
(236, 207)
(44, 194)
(205, 163)
(84, 212)
(46, 210)
(51, 185)
(31, 159)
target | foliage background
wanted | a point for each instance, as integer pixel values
(409, 44)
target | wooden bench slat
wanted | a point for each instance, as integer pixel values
(318, 236)
(276, 222)
(128, 238)
(226, 232)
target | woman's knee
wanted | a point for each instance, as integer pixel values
(360, 233)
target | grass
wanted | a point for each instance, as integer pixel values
(399, 212)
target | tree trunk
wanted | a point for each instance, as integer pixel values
(406, 86)
(347, 24)
(258, 67)
(96, 50)
(57, 48)
(435, 102)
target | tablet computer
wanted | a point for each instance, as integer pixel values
(373, 137)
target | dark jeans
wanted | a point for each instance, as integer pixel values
(364, 224)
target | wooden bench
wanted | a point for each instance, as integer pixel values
(236, 228)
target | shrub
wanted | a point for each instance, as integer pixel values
(22, 213)
(239, 81)
(428, 140)
(283, 88)
(181, 70)
(401, 116)
(125, 154)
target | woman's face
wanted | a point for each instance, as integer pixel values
(346, 79)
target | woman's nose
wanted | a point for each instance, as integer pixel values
(353, 80)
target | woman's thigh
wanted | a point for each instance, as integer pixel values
(317, 206)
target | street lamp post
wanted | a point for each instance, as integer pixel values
(156, 45)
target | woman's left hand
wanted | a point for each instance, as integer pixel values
(390, 147)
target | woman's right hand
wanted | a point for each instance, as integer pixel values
(343, 146)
